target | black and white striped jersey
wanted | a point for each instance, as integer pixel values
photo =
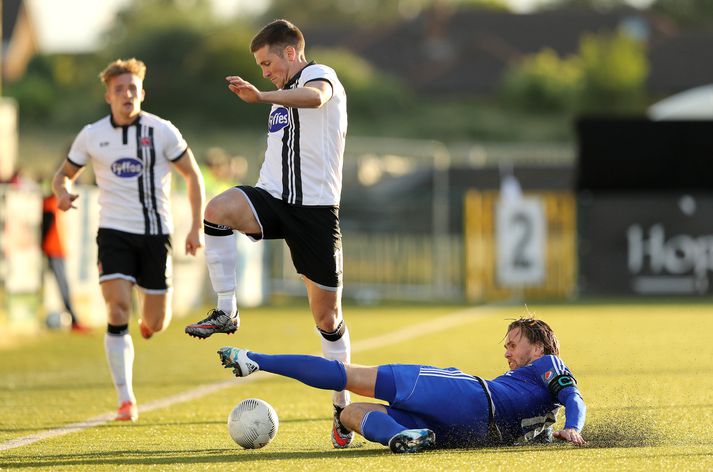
(305, 146)
(132, 169)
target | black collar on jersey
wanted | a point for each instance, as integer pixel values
(116, 125)
(296, 77)
(125, 128)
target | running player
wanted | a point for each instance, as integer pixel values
(429, 406)
(296, 197)
(132, 153)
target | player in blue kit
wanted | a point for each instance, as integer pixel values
(430, 406)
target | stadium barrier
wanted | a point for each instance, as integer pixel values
(517, 249)
(28, 293)
(379, 266)
(21, 261)
(402, 213)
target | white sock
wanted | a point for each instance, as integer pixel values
(227, 303)
(120, 355)
(221, 255)
(339, 350)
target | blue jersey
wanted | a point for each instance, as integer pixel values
(527, 399)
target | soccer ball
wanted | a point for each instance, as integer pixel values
(253, 423)
(58, 320)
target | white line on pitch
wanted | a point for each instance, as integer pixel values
(421, 329)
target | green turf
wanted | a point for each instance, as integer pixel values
(646, 373)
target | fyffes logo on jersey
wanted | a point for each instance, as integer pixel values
(127, 167)
(279, 118)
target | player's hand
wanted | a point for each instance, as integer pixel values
(244, 89)
(570, 435)
(194, 241)
(66, 201)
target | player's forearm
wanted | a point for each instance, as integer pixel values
(303, 97)
(575, 409)
(196, 198)
(61, 182)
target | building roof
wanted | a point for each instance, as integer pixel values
(467, 50)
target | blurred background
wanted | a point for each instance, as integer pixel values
(498, 150)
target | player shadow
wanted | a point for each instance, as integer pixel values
(153, 424)
(59, 387)
(196, 456)
(218, 457)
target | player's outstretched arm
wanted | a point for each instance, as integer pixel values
(313, 95)
(575, 411)
(570, 435)
(246, 91)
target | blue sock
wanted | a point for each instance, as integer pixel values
(380, 427)
(314, 371)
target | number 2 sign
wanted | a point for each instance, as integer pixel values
(520, 237)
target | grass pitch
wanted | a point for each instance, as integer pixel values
(645, 371)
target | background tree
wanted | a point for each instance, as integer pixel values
(544, 82)
(188, 55)
(615, 68)
(608, 74)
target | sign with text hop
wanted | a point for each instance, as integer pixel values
(520, 234)
(646, 244)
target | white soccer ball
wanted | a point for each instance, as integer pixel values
(253, 423)
(58, 320)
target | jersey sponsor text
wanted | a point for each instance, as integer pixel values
(127, 167)
(278, 119)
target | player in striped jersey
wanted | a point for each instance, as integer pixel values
(132, 153)
(430, 406)
(296, 197)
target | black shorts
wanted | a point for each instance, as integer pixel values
(311, 232)
(142, 259)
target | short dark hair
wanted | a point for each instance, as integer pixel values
(537, 331)
(279, 33)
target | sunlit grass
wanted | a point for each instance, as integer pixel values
(646, 373)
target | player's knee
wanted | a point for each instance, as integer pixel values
(327, 317)
(351, 417)
(331, 328)
(155, 325)
(157, 316)
(215, 210)
(119, 311)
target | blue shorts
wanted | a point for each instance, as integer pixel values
(450, 403)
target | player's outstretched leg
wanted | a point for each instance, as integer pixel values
(314, 371)
(238, 360)
(412, 440)
(217, 321)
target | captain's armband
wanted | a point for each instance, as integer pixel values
(561, 382)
